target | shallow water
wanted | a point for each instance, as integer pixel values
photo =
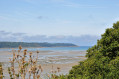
(81, 48)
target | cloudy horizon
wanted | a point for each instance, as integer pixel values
(23, 37)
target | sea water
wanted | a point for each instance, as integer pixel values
(81, 48)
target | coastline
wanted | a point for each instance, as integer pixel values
(38, 47)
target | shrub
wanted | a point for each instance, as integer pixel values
(102, 59)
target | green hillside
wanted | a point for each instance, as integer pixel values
(24, 44)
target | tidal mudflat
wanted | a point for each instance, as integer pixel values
(63, 59)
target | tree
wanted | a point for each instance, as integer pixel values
(102, 59)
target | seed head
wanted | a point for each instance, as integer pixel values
(38, 76)
(20, 47)
(39, 66)
(37, 51)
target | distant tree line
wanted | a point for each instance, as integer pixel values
(24, 44)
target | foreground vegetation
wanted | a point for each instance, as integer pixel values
(102, 59)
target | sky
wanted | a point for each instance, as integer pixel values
(72, 21)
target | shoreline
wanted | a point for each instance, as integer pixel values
(38, 47)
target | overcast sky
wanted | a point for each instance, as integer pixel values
(49, 20)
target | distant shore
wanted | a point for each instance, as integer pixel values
(33, 44)
(37, 47)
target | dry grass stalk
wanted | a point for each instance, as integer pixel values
(27, 65)
(1, 72)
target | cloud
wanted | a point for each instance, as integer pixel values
(75, 5)
(40, 17)
(18, 34)
(4, 33)
(83, 40)
(65, 3)
(9, 36)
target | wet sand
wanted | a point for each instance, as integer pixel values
(63, 59)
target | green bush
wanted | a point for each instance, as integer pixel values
(102, 59)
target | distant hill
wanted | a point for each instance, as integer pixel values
(25, 44)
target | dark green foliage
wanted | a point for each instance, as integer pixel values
(53, 76)
(23, 44)
(102, 59)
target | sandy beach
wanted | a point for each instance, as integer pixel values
(63, 59)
